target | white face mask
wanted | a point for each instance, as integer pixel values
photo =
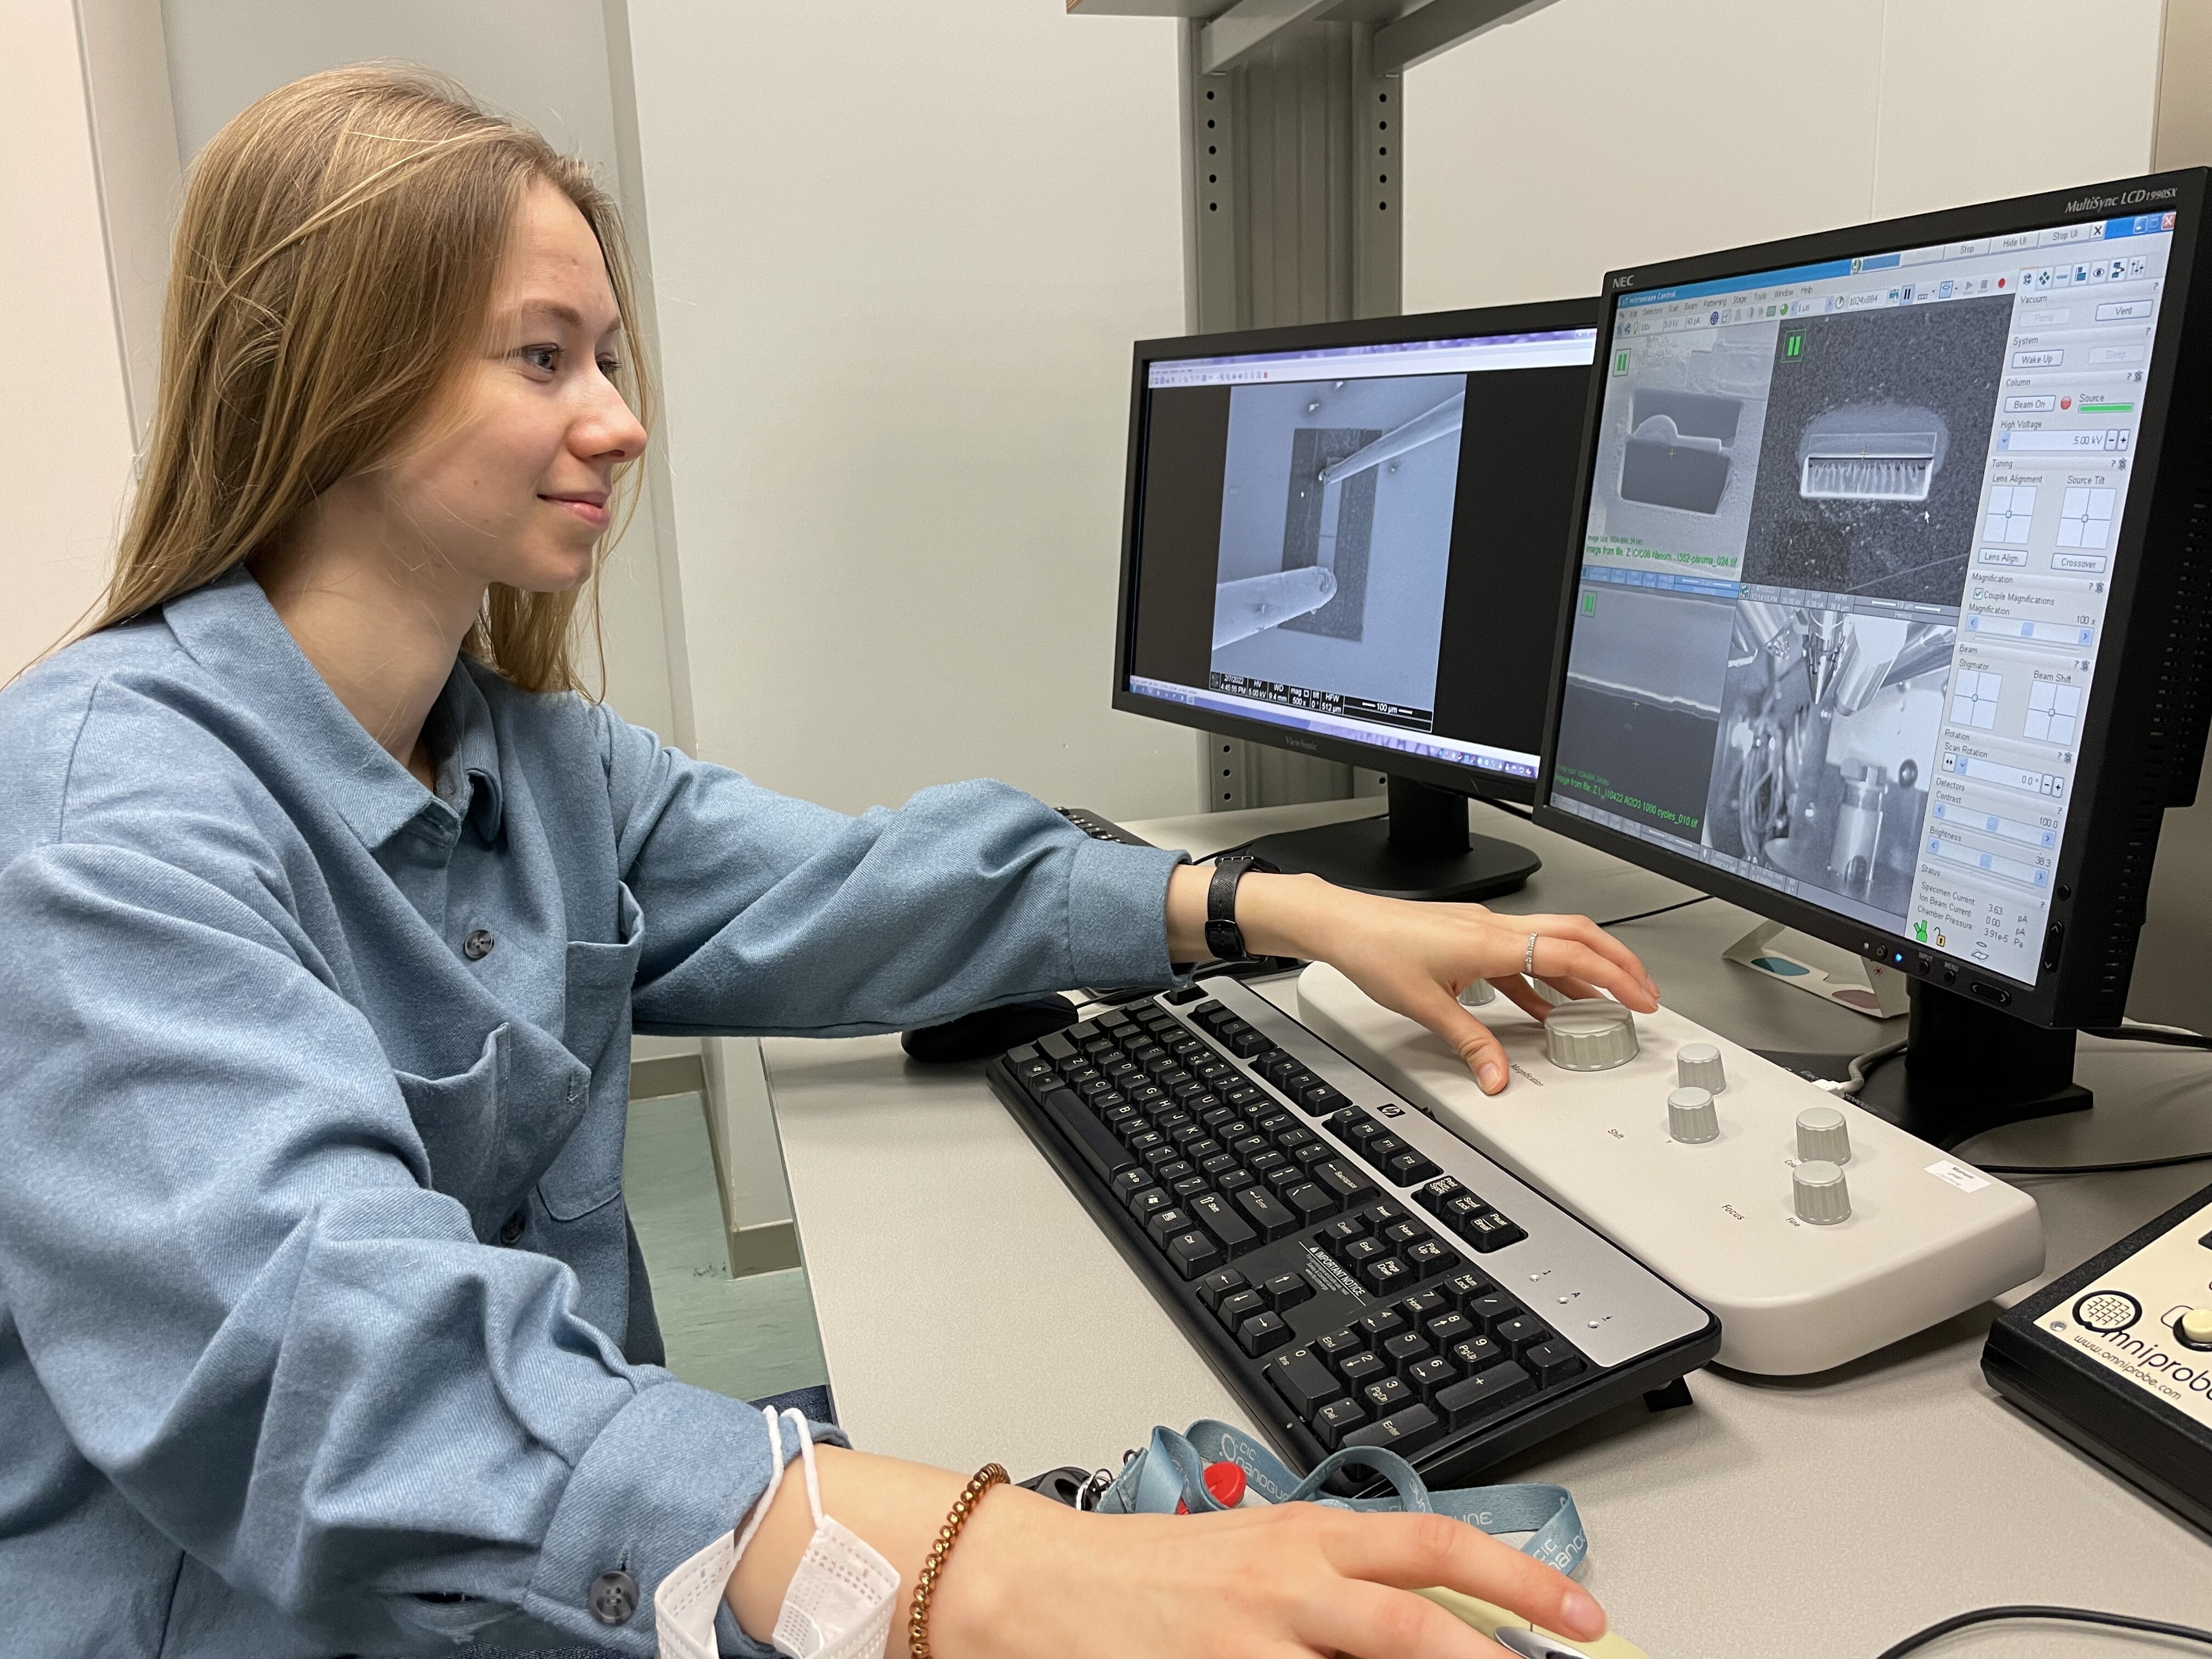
(839, 1601)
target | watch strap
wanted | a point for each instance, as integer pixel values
(1223, 938)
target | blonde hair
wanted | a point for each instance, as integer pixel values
(335, 259)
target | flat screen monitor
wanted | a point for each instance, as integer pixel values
(1886, 610)
(1347, 539)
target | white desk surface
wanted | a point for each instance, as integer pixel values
(970, 1310)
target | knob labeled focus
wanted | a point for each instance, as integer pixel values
(1591, 1035)
(1698, 1066)
(1692, 1118)
(1822, 1134)
(1820, 1195)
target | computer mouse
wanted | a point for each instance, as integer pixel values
(988, 1032)
(1515, 1634)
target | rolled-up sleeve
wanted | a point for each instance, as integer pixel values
(226, 1263)
(766, 915)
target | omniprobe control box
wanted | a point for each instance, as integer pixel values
(2116, 1357)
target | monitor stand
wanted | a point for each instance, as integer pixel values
(1421, 850)
(1967, 1067)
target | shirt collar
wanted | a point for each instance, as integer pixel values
(230, 629)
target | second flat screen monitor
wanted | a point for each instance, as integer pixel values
(1362, 545)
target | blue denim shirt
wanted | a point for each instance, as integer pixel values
(291, 1047)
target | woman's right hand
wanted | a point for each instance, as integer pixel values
(1032, 1579)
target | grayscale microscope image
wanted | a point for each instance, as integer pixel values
(1876, 426)
(1336, 516)
(1829, 721)
(1678, 446)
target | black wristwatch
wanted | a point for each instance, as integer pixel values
(1223, 936)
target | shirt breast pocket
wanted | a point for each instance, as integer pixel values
(462, 1120)
(596, 1028)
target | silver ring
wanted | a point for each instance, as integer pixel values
(1528, 959)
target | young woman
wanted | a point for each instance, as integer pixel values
(330, 907)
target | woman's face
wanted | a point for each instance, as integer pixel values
(512, 483)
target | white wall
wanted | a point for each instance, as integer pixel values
(73, 433)
(544, 61)
(901, 253)
(1601, 133)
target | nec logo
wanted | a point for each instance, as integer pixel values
(1628, 281)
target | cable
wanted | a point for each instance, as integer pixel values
(2095, 1168)
(1508, 806)
(2165, 1034)
(1642, 915)
(1920, 1639)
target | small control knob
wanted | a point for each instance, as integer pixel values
(2195, 1327)
(1820, 1195)
(1698, 1066)
(1822, 1135)
(1476, 992)
(1590, 1036)
(1690, 1117)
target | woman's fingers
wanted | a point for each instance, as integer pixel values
(1523, 995)
(1582, 931)
(1557, 958)
(1473, 1042)
(1414, 1551)
(1357, 1617)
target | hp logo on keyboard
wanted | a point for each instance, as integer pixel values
(2106, 1312)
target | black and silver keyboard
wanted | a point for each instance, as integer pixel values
(1355, 1273)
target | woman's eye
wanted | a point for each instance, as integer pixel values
(610, 367)
(544, 358)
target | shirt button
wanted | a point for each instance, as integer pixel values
(511, 1228)
(614, 1597)
(477, 946)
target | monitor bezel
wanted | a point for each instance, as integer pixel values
(2098, 827)
(1540, 317)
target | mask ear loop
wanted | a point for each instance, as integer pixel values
(775, 1477)
(807, 1454)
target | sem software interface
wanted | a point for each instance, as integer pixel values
(1844, 581)
(1342, 540)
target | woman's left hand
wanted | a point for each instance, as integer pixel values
(1415, 960)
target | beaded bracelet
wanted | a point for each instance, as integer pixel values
(925, 1583)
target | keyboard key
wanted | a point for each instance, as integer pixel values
(1286, 1291)
(1244, 1096)
(1362, 1369)
(1379, 1149)
(1422, 1305)
(1272, 1124)
(1553, 1361)
(1101, 1151)
(1341, 1232)
(1335, 1421)
(1430, 1255)
(1193, 1253)
(1463, 1286)
(1319, 1099)
(1476, 1353)
(1488, 1311)
(1165, 1223)
(1310, 1154)
(1386, 1395)
(1245, 1044)
(1385, 1276)
(1340, 1346)
(1491, 1232)
(1402, 1233)
(1235, 1128)
(1150, 1202)
(1166, 1153)
(1358, 1252)
(1210, 1014)
(1403, 1431)
(1309, 1203)
(1233, 1232)
(1381, 1325)
(1188, 1188)
(1304, 1382)
(1146, 1095)
(1263, 1332)
(1261, 1163)
(1381, 1215)
(1344, 1181)
(1249, 1146)
(1280, 1178)
(1106, 1102)
(1240, 1306)
(1448, 1328)
(1056, 1046)
(1458, 1210)
(1275, 1068)
(1215, 1164)
(1225, 1283)
(1267, 1212)
(1173, 1172)
(1524, 1331)
(1128, 1184)
(1474, 1398)
(1296, 1136)
(1425, 1377)
(1233, 1180)
(1409, 1167)
(1403, 1349)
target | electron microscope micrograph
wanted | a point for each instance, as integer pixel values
(1877, 422)
(1336, 517)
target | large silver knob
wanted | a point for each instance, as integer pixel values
(1820, 1192)
(1692, 1118)
(1592, 1035)
(1698, 1066)
(1822, 1134)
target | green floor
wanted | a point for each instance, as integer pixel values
(745, 1338)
